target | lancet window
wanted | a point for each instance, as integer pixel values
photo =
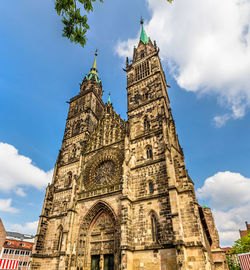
(142, 70)
(146, 124)
(151, 187)
(149, 152)
(60, 238)
(154, 228)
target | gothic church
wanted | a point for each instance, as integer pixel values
(121, 197)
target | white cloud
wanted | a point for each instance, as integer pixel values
(227, 194)
(20, 192)
(27, 228)
(17, 170)
(225, 190)
(207, 44)
(220, 120)
(5, 206)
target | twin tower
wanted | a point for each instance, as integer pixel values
(121, 197)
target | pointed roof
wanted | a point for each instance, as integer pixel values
(93, 71)
(143, 37)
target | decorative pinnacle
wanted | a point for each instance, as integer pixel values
(109, 99)
(141, 20)
(96, 52)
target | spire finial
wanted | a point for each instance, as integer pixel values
(109, 99)
(141, 21)
(96, 52)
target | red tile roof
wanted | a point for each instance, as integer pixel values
(16, 244)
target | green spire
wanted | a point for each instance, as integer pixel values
(109, 99)
(144, 37)
(93, 71)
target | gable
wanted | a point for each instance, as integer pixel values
(110, 129)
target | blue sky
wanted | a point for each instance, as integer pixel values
(40, 70)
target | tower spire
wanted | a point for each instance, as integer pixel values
(109, 99)
(93, 70)
(143, 37)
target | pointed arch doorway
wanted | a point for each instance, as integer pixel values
(102, 241)
(99, 239)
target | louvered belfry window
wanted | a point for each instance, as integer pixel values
(142, 70)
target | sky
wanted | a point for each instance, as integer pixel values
(205, 52)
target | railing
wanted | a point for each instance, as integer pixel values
(100, 191)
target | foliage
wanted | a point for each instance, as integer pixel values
(241, 245)
(232, 263)
(75, 24)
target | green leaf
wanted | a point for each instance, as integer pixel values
(75, 24)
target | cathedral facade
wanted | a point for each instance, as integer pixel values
(121, 197)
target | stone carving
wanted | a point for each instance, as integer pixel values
(104, 169)
(111, 129)
(104, 172)
(99, 228)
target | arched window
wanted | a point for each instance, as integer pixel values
(154, 228)
(68, 179)
(74, 151)
(146, 124)
(149, 152)
(60, 238)
(151, 187)
(76, 127)
(142, 54)
(65, 206)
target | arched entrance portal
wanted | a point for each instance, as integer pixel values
(98, 240)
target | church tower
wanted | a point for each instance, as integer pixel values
(165, 226)
(121, 197)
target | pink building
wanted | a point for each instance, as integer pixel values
(18, 251)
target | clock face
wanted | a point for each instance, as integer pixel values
(104, 172)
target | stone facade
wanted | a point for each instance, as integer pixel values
(2, 234)
(121, 197)
(218, 255)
